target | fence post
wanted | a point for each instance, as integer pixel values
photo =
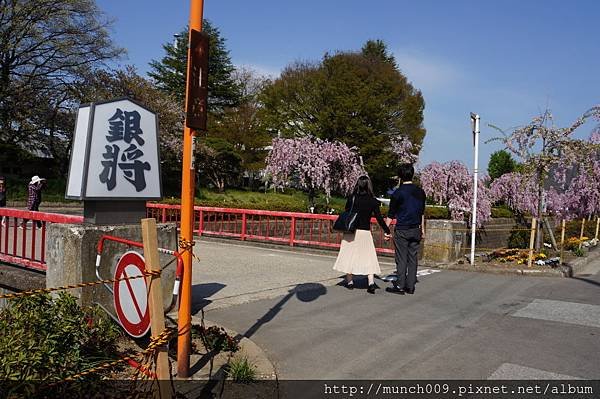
(155, 303)
(164, 215)
(201, 223)
(531, 241)
(293, 231)
(243, 235)
(597, 227)
(562, 240)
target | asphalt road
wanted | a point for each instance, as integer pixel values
(458, 325)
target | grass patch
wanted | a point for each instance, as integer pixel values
(241, 370)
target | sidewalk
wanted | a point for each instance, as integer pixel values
(233, 273)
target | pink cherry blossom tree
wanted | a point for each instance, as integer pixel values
(451, 183)
(547, 151)
(313, 165)
(404, 149)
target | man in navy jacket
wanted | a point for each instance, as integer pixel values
(407, 206)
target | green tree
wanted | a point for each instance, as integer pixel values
(359, 98)
(44, 47)
(218, 162)
(241, 126)
(170, 72)
(501, 162)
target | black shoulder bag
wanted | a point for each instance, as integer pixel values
(347, 221)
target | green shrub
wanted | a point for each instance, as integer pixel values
(573, 228)
(215, 339)
(578, 252)
(518, 238)
(436, 212)
(241, 370)
(502, 212)
(44, 340)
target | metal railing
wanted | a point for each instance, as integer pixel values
(23, 236)
(287, 228)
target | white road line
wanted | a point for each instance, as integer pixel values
(564, 312)
(509, 371)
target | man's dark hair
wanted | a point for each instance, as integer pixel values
(406, 172)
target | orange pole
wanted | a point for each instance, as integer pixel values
(188, 175)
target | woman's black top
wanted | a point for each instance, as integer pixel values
(367, 207)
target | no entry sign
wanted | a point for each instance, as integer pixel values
(131, 296)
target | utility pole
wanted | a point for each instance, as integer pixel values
(475, 129)
(188, 177)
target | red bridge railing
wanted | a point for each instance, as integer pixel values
(23, 236)
(25, 244)
(288, 228)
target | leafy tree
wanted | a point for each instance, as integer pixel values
(358, 98)
(377, 50)
(241, 126)
(44, 47)
(218, 162)
(170, 72)
(313, 165)
(501, 162)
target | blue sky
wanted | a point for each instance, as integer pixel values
(506, 60)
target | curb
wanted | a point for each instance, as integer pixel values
(562, 271)
(570, 269)
(579, 265)
(265, 368)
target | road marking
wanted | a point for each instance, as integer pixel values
(509, 371)
(565, 312)
(425, 272)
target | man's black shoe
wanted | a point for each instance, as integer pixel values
(409, 291)
(395, 290)
(371, 289)
(349, 286)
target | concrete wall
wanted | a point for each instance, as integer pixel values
(444, 240)
(490, 236)
(71, 258)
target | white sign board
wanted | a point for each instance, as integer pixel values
(115, 153)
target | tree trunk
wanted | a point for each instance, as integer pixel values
(540, 231)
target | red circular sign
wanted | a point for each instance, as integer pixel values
(131, 296)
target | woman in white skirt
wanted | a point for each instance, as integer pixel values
(357, 252)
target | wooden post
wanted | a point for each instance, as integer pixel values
(531, 241)
(582, 232)
(562, 240)
(597, 227)
(155, 303)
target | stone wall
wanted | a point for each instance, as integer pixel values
(446, 240)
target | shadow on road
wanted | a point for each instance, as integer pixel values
(202, 291)
(587, 280)
(306, 292)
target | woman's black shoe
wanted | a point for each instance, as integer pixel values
(371, 289)
(349, 286)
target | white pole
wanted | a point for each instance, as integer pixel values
(475, 125)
